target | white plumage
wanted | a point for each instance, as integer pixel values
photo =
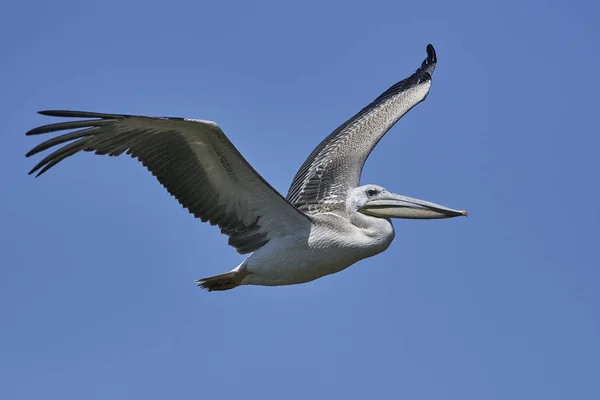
(325, 224)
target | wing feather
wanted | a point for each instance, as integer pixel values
(335, 165)
(192, 159)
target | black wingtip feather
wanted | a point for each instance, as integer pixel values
(62, 126)
(431, 56)
(78, 114)
(428, 64)
(56, 113)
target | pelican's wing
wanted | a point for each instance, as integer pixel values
(193, 160)
(335, 166)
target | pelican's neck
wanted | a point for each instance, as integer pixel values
(380, 230)
(372, 226)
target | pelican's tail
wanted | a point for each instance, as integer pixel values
(226, 281)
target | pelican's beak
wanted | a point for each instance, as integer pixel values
(392, 205)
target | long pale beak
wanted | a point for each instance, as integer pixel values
(392, 205)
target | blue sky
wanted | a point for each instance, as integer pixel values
(97, 297)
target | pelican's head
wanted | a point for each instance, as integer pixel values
(376, 201)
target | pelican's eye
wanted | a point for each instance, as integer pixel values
(372, 192)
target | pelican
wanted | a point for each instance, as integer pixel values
(326, 223)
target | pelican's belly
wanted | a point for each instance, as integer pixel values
(291, 260)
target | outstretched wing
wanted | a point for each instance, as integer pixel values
(193, 160)
(335, 165)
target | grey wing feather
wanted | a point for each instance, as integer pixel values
(193, 160)
(335, 165)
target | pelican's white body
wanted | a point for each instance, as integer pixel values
(325, 223)
(332, 244)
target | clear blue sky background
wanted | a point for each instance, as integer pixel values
(97, 299)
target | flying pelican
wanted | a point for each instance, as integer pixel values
(326, 223)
